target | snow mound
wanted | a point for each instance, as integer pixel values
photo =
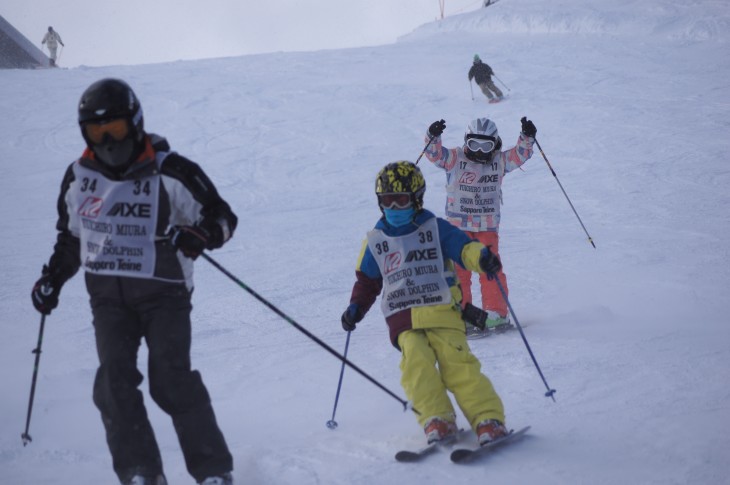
(692, 21)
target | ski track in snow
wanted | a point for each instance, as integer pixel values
(632, 115)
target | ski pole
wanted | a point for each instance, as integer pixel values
(503, 84)
(471, 90)
(550, 392)
(332, 424)
(424, 149)
(590, 240)
(37, 351)
(270, 306)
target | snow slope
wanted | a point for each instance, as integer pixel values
(632, 114)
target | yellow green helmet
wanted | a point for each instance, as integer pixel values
(402, 177)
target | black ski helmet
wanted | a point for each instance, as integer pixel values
(109, 99)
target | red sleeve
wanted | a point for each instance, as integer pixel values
(365, 290)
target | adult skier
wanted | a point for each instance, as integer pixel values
(410, 256)
(135, 215)
(482, 75)
(51, 40)
(474, 174)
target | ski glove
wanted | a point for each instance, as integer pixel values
(351, 317)
(190, 240)
(436, 128)
(489, 263)
(45, 292)
(528, 127)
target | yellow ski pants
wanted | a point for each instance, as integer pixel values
(437, 360)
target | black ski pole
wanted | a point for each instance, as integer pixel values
(406, 404)
(550, 392)
(424, 149)
(590, 240)
(332, 424)
(503, 84)
(37, 351)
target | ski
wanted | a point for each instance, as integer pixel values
(408, 456)
(474, 333)
(497, 100)
(465, 455)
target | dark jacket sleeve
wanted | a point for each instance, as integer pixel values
(217, 217)
(365, 291)
(66, 258)
(368, 282)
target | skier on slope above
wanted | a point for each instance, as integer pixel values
(474, 175)
(52, 39)
(482, 75)
(136, 215)
(410, 256)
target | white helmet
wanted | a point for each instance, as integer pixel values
(481, 140)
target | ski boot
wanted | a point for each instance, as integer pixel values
(438, 429)
(490, 430)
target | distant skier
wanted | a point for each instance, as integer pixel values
(410, 256)
(51, 40)
(482, 75)
(135, 215)
(474, 174)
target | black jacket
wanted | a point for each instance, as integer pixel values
(480, 72)
(193, 192)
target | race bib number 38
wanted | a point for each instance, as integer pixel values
(412, 267)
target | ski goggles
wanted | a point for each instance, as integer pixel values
(395, 200)
(117, 128)
(484, 143)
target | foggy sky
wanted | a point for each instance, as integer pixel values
(147, 31)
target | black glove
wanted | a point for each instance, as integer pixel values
(474, 316)
(191, 240)
(528, 127)
(351, 317)
(489, 263)
(436, 128)
(45, 292)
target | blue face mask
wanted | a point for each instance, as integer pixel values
(399, 217)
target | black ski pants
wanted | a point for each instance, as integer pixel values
(127, 310)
